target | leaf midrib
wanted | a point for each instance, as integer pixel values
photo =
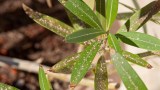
(85, 35)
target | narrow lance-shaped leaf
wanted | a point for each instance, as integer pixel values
(140, 40)
(7, 87)
(84, 35)
(76, 22)
(124, 16)
(129, 7)
(141, 17)
(66, 65)
(90, 3)
(48, 22)
(111, 12)
(135, 10)
(82, 65)
(43, 80)
(100, 12)
(101, 75)
(136, 59)
(114, 43)
(100, 7)
(82, 11)
(129, 77)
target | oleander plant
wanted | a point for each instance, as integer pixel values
(91, 28)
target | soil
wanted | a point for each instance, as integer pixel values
(22, 38)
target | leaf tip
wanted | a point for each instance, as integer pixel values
(117, 85)
(149, 66)
(72, 86)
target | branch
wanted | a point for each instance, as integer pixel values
(33, 67)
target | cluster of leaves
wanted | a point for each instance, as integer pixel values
(92, 30)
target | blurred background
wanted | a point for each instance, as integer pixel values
(22, 38)
(24, 45)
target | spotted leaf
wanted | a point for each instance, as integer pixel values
(48, 22)
(114, 43)
(83, 63)
(129, 77)
(82, 11)
(140, 40)
(101, 75)
(66, 65)
(136, 59)
(84, 35)
(7, 87)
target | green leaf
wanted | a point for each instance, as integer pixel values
(43, 80)
(82, 11)
(84, 35)
(66, 65)
(114, 43)
(129, 77)
(48, 22)
(100, 7)
(100, 12)
(124, 16)
(140, 40)
(7, 87)
(101, 76)
(135, 10)
(141, 17)
(136, 59)
(76, 22)
(83, 63)
(111, 12)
